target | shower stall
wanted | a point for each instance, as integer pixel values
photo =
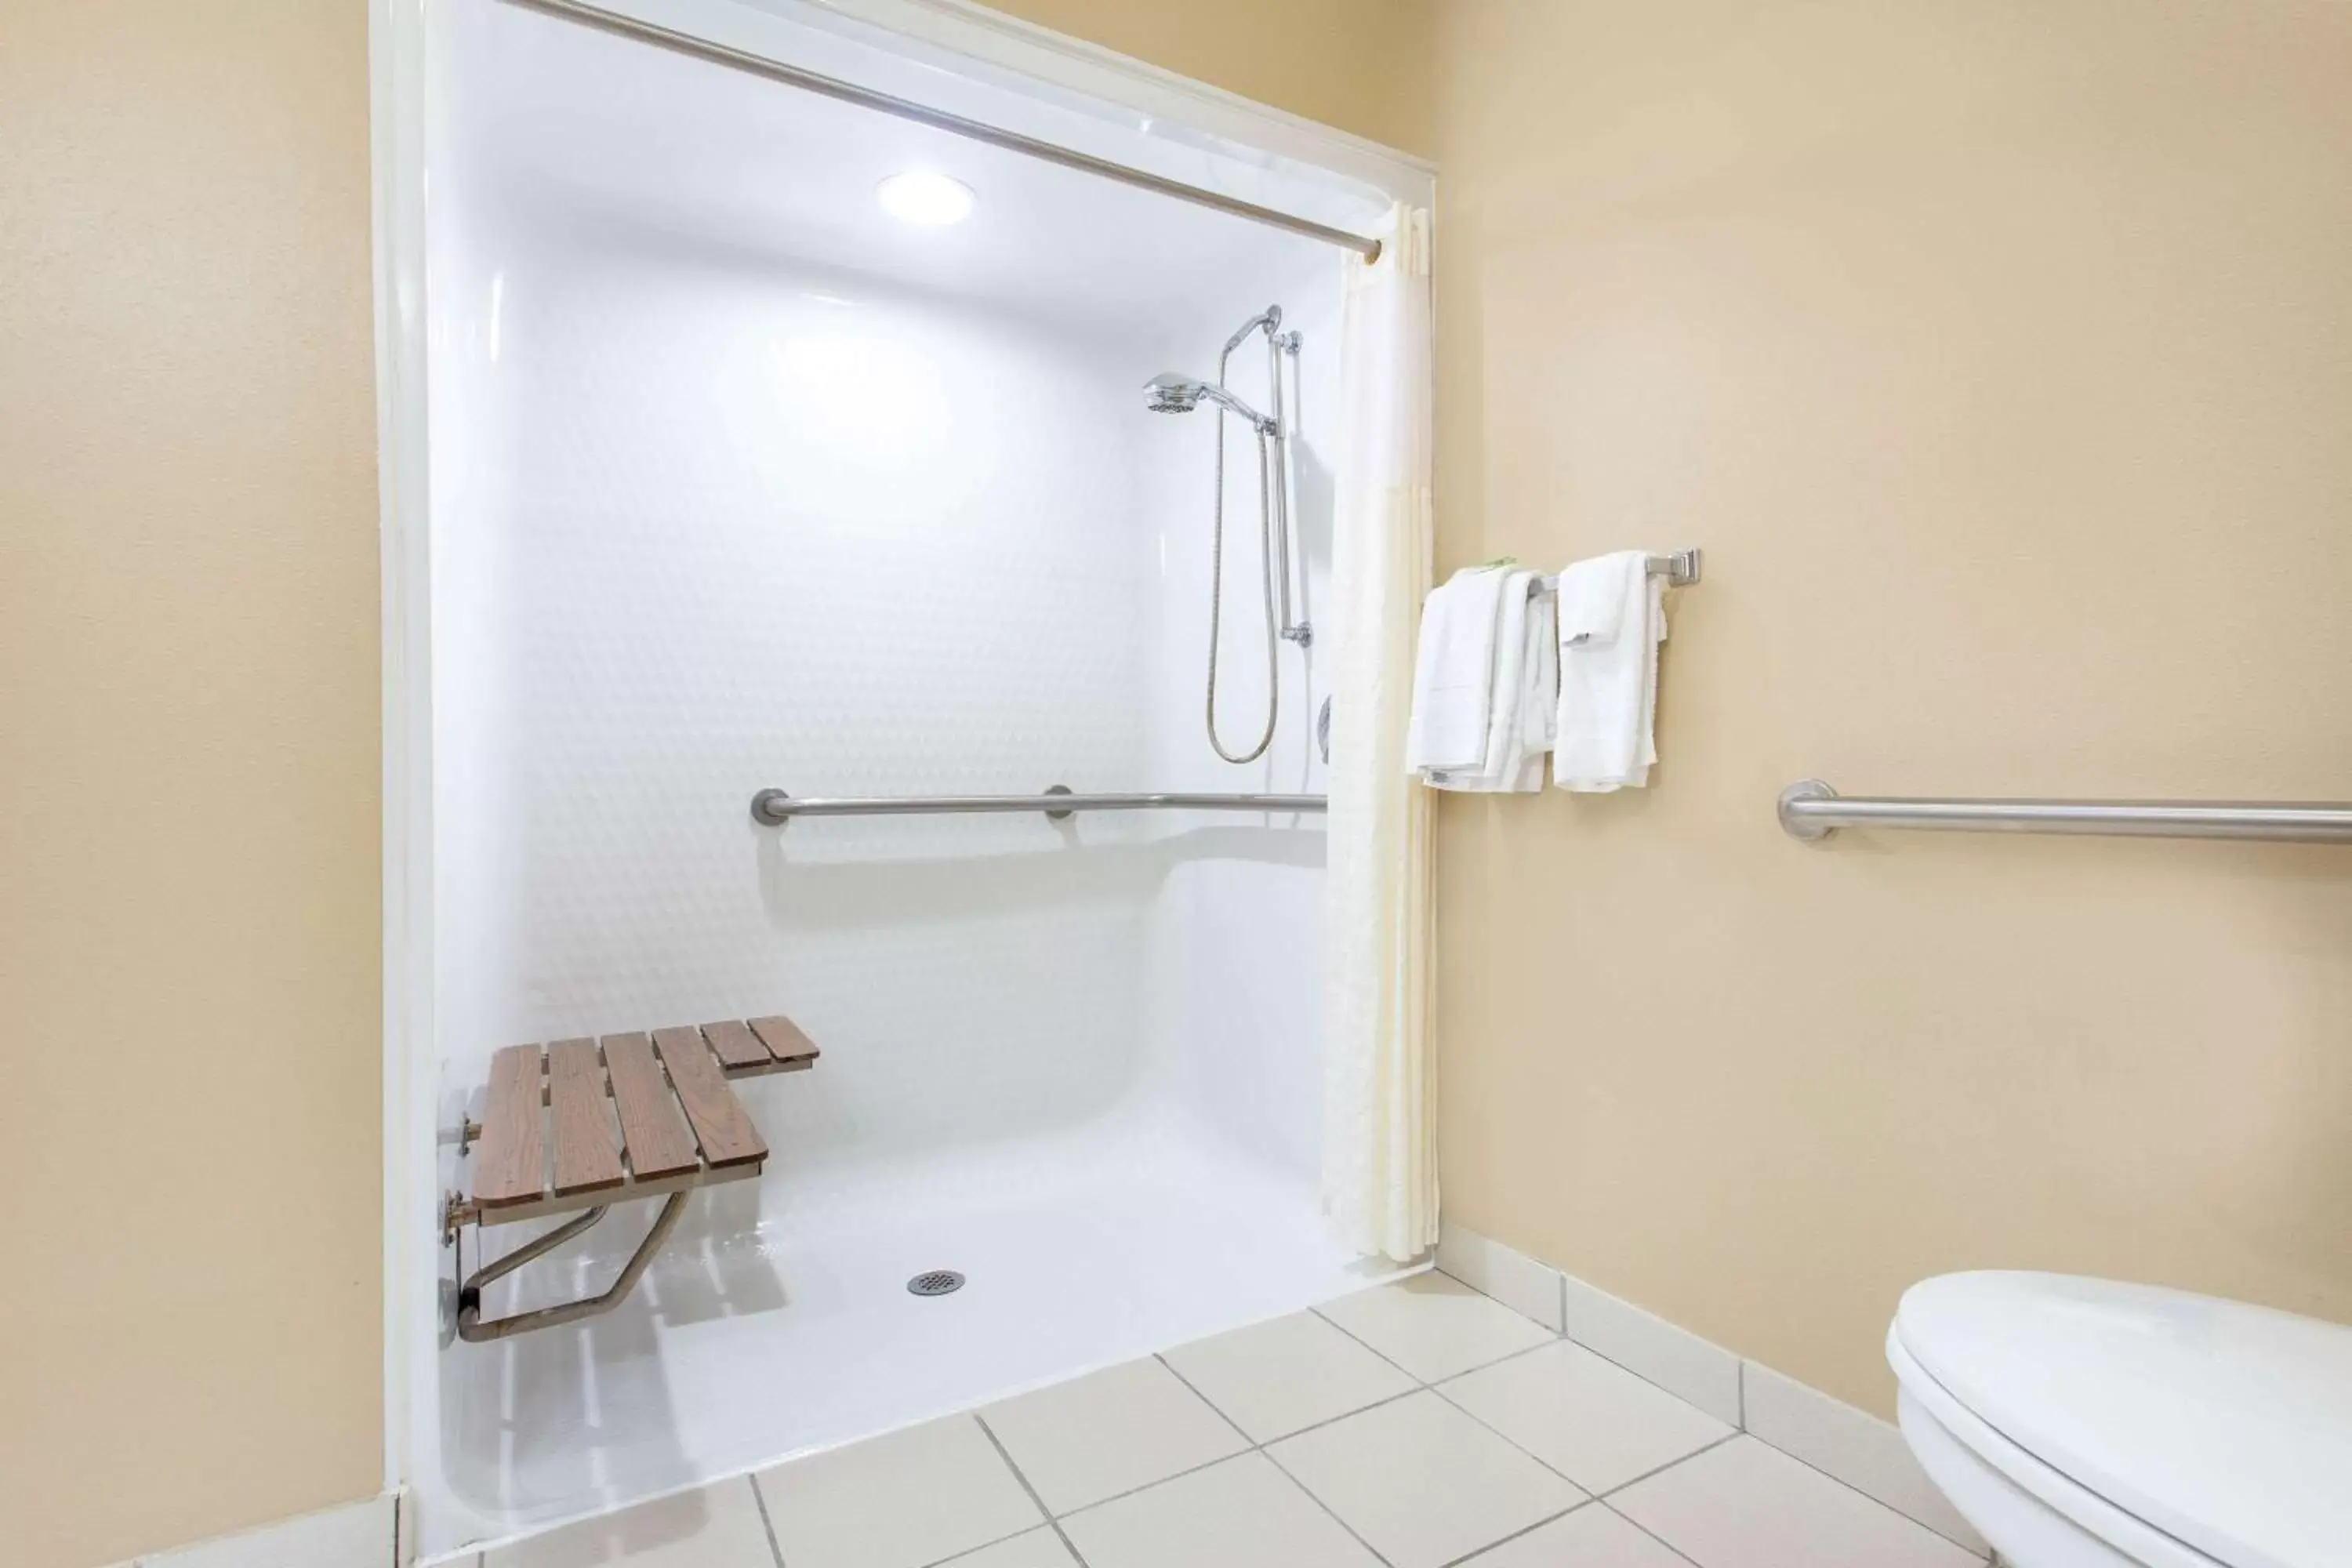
(739, 481)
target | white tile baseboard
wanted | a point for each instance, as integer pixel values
(355, 1535)
(1849, 1445)
(1854, 1445)
(1514, 1278)
(1697, 1370)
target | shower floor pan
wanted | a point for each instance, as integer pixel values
(780, 1321)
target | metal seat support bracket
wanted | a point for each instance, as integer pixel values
(473, 1331)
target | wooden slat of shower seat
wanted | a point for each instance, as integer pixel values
(587, 1156)
(658, 1142)
(719, 1121)
(784, 1040)
(511, 1167)
(739, 1049)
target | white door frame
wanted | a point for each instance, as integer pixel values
(982, 44)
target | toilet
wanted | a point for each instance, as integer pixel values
(2087, 1423)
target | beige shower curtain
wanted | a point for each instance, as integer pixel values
(1379, 1152)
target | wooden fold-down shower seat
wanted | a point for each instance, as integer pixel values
(580, 1125)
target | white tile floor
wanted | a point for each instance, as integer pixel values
(1416, 1426)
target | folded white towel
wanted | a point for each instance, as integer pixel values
(1524, 703)
(1611, 619)
(1454, 672)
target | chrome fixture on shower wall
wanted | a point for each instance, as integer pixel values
(1173, 393)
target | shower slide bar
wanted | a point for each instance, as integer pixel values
(621, 26)
(774, 808)
(1812, 811)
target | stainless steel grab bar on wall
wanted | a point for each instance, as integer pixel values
(1812, 811)
(773, 807)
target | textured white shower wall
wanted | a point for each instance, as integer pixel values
(1235, 951)
(761, 530)
(738, 484)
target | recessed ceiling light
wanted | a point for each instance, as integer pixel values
(919, 196)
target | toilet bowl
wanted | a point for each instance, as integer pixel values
(2086, 1423)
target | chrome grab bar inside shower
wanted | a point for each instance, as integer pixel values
(1812, 810)
(773, 807)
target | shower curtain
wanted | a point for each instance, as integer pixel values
(1379, 1142)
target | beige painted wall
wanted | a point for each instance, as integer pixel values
(1361, 65)
(189, 1102)
(1999, 354)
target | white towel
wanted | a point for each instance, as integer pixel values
(1452, 680)
(1526, 697)
(1611, 619)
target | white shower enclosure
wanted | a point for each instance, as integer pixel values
(730, 481)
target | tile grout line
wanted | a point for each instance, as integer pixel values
(1480, 1366)
(1740, 1382)
(1279, 1467)
(1334, 1420)
(1170, 1368)
(1589, 1501)
(1590, 1496)
(1419, 1382)
(1556, 1337)
(759, 1501)
(1857, 1491)
(1177, 1475)
(1333, 1514)
(1051, 1522)
(1739, 1394)
(1515, 1355)
(1547, 1468)
(1558, 1279)
(958, 1556)
(1222, 1458)
(1637, 1524)
(1419, 1385)
(1670, 1464)
(1280, 1437)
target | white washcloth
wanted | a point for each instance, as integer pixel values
(1526, 697)
(1452, 680)
(1611, 619)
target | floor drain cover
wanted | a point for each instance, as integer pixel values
(937, 1282)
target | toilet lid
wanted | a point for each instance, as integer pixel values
(2226, 1426)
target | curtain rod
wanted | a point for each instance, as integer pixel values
(606, 21)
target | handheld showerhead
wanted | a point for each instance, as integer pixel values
(1171, 393)
(1269, 318)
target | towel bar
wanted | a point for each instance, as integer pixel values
(1680, 570)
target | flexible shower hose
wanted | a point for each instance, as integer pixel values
(1265, 579)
